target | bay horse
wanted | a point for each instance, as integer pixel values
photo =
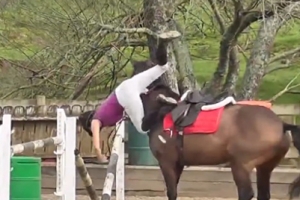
(247, 137)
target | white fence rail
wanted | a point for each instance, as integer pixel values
(65, 141)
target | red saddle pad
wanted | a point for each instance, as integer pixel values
(207, 122)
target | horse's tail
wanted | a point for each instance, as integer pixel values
(295, 131)
(294, 189)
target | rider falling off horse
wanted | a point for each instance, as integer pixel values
(126, 97)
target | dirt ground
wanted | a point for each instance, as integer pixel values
(82, 197)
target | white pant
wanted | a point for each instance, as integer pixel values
(128, 93)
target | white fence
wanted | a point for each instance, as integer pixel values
(65, 141)
(116, 167)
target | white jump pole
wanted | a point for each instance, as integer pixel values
(120, 175)
(115, 168)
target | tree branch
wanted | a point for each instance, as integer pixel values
(19, 89)
(275, 68)
(293, 92)
(228, 38)
(287, 88)
(288, 62)
(233, 71)
(84, 81)
(217, 14)
(284, 55)
(165, 35)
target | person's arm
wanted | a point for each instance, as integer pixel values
(95, 127)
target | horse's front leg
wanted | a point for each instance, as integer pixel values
(171, 173)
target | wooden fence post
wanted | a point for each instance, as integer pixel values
(41, 104)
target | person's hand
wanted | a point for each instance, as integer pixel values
(101, 157)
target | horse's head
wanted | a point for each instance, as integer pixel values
(159, 101)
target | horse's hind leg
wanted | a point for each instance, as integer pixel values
(263, 176)
(241, 176)
(171, 173)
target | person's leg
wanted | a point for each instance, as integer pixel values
(128, 93)
(135, 110)
(129, 97)
(142, 80)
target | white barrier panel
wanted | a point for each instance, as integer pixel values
(65, 160)
(116, 167)
(5, 155)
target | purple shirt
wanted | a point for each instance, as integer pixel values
(110, 111)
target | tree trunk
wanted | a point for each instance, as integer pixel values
(260, 55)
(233, 71)
(186, 78)
(156, 19)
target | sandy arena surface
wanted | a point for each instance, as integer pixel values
(82, 197)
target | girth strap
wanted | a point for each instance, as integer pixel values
(179, 138)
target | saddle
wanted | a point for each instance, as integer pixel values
(187, 111)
